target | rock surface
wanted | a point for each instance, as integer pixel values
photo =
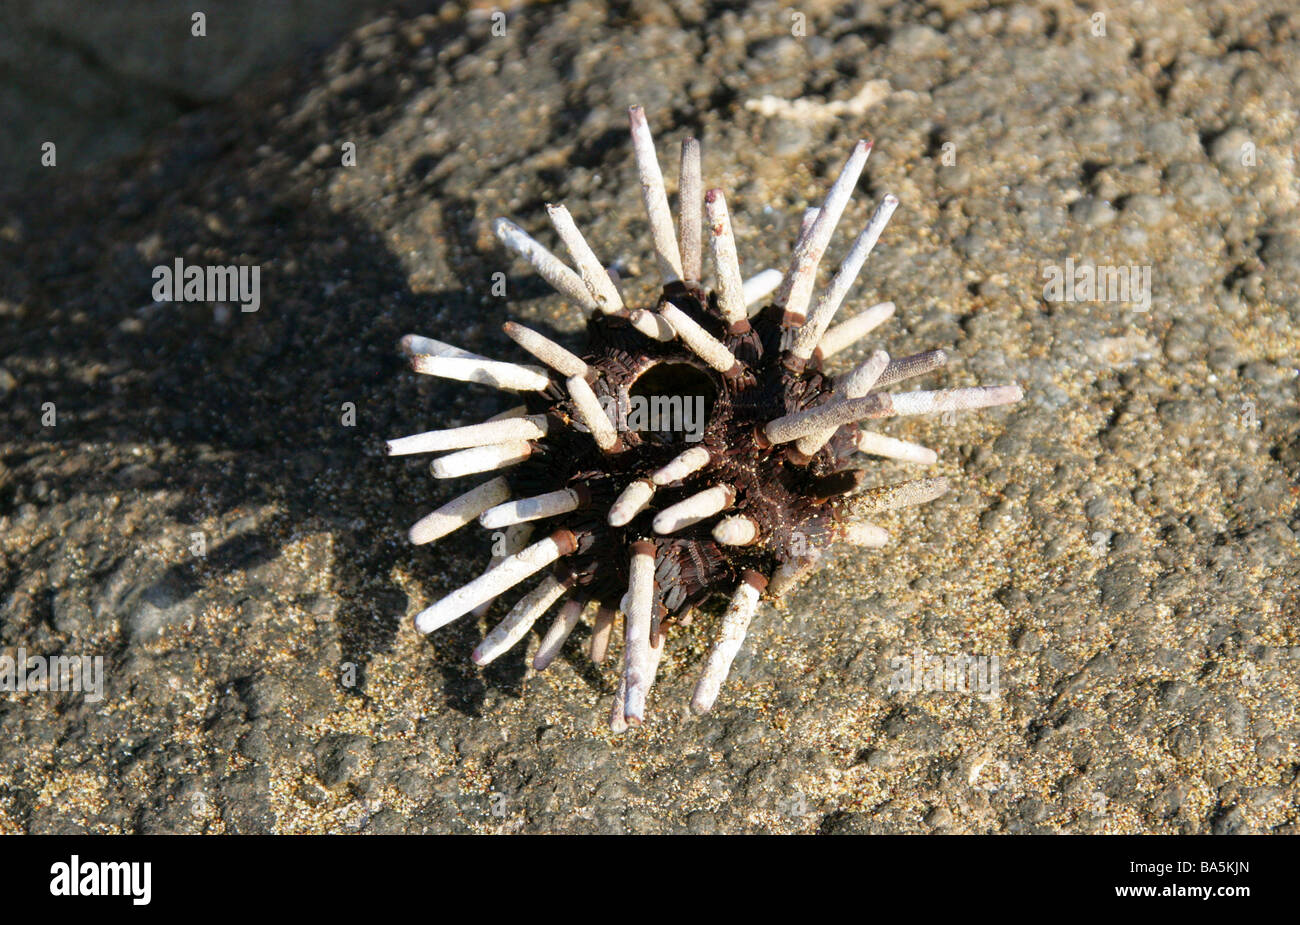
(211, 511)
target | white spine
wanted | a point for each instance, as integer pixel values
(703, 344)
(865, 534)
(735, 624)
(553, 641)
(548, 266)
(414, 345)
(736, 531)
(819, 319)
(518, 621)
(509, 376)
(892, 497)
(480, 459)
(459, 511)
(546, 350)
(506, 430)
(692, 510)
(692, 460)
(631, 501)
(510, 542)
(655, 197)
(601, 630)
(637, 605)
(826, 416)
(796, 290)
(618, 713)
(879, 445)
(980, 396)
(918, 364)
(599, 286)
(688, 200)
(593, 416)
(652, 325)
(759, 286)
(855, 385)
(506, 574)
(847, 333)
(731, 290)
(522, 510)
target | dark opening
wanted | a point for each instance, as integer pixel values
(672, 402)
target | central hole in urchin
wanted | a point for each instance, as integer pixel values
(671, 403)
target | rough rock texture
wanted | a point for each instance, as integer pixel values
(1124, 540)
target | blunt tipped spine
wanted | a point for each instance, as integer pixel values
(548, 266)
(537, 507)
(638, 606)
(875, 444)
(731, 289)
(699, 506)
(511, 377)
(553, 642)
(599, 286)
(736, 531)
(655, 197)
(630, 502)
(819, 319)
(505, 575)
(847, 333)
(681, 466)
(518, 621)
(857, 383)
(506, 430)
(796, 289)
(592, 415)
(700, 342)
(480, 459)
(735, 625)
(688, 198)
(548, 351)
(459, 511)
(758, 287)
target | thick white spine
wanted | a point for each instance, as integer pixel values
(847, 333)
(602, 628)
(480, 459)
(892, 497)
(918, 364)
(700, 342)
(856, 384)
(638, 605)
(655, 197)
(736, 531)
(826, 416)
(796, 289)
(553, 641)
(512, 540)
(688, 200)
(546, 350)
(680, 466)
(414, 345)
(506, 430)
(980, 396)
(599, 286)
(819, 319)
(735, 624)
(631, 501)
(509, 376)
(758, 287)
(591, 414)
(506, 574)
(654, 326)
(522, 510)
(731, 290)
(880, 445)
(618, 713)
(548, 266)
(518, 621)
(459, 511)
(692, 510)
(865, 534)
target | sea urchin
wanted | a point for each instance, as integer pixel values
(651, 520)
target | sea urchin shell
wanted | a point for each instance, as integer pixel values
(651, 521)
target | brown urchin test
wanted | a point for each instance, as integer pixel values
(643, 522)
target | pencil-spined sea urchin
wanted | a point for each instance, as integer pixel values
(644, 522)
